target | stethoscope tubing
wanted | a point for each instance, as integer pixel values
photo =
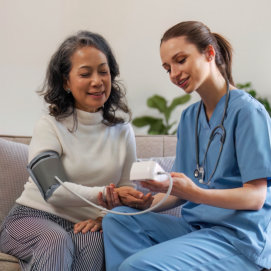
(198, 172)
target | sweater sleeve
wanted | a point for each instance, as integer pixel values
(61, 197)
(45, 138)
(130, 158)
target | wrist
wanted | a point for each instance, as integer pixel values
(199, 195)
(104, 193)
(99, 219)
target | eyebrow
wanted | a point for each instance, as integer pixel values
(174, 57)
(88, 67)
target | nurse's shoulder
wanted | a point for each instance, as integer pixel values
(243, 103)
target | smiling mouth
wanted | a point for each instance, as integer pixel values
(182, 83)
(96, 94)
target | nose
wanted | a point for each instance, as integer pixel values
(174, 73)
(96, 80)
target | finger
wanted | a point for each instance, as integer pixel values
(149, 202)
(76, 225)
(177, 174)
(88, 227)
(108, 197)
(149, 195)
(137, 194)
(95, 227)
(112, 185)
(132, 192)
(79, 226)
(112, 196)
(101, 200)
(148, 199)
(116, 199)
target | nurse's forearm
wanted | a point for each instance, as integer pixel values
(171, 202)
(249, 197)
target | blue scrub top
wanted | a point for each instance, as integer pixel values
(246, 156)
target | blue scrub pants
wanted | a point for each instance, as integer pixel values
(155, 241)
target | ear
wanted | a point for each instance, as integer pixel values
(66, 84)
(210, 52)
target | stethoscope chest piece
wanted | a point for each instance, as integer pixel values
(199, 174)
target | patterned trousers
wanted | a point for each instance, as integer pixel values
(43, 241)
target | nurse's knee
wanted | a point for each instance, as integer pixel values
(134, 263)
(114, 219)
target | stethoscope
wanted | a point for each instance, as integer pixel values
(199, 171)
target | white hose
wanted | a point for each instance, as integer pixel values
(120, 213)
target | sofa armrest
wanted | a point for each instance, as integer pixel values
(8, 263)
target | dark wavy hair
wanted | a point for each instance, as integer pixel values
(62, 104)
(200, 35)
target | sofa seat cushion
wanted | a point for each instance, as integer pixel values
(8, 263)
(13, 174)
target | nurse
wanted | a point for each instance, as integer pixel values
(222, 168)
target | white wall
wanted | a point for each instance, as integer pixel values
(31, 30)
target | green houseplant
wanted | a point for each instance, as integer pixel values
(248, 88)
(162, 125)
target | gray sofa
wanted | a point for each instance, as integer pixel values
(13, 173)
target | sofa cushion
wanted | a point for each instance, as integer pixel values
(8, 263)
(7, 258)
(13, 161)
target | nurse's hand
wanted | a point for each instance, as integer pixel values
(183, 187)
(134, 198)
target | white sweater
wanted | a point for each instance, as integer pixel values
(93, 156)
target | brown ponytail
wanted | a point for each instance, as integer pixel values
(226, 54)
(200, 35)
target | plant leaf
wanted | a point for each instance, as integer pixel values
(158, 102)
(177, 101)
(244, 86)
(145, 120)
(157, 128)
(252, 93)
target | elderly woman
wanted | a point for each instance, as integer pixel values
(96, 148)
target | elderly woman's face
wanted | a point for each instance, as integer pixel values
(89, 79)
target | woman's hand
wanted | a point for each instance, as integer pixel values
(112, 198)
(183, 187)
(134, 198)
(88, 225)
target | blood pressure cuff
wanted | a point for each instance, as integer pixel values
(43, 169)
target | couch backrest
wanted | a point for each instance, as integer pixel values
(147, 146)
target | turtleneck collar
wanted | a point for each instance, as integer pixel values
(87, 118)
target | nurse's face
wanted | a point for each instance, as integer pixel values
(187, 67)
(89, 79)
